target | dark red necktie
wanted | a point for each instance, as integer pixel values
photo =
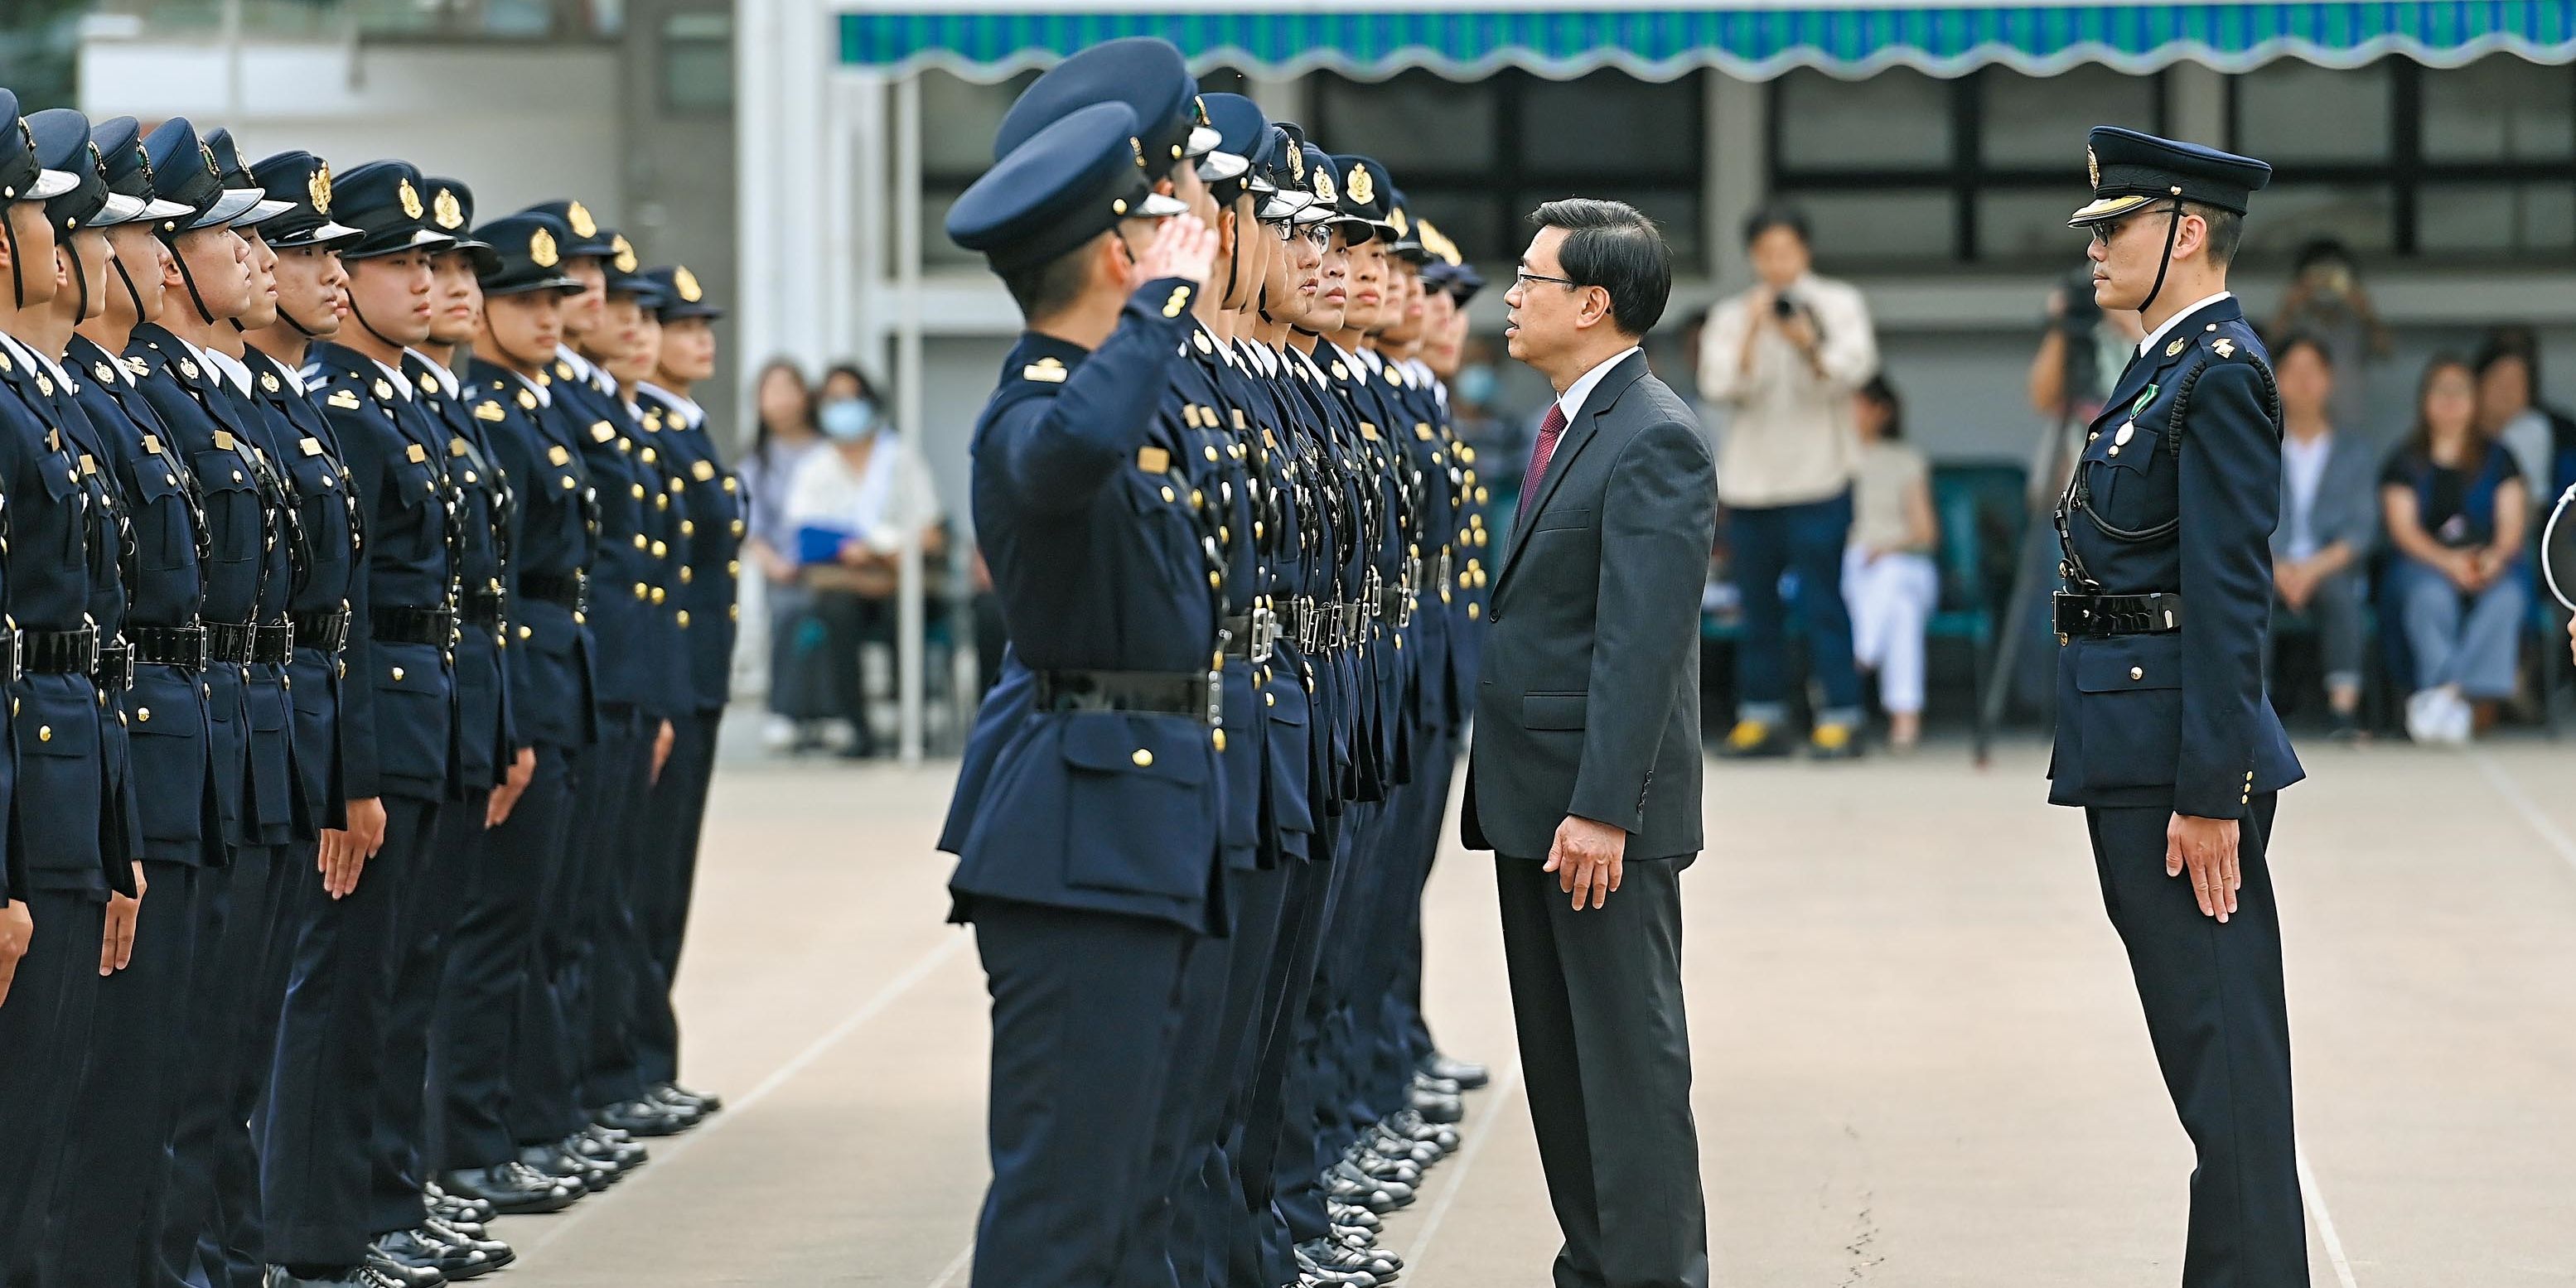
(1548, 430)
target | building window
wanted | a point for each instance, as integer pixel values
(1901, 169)
(2398, 158)
(1476, 157)
(697, 61)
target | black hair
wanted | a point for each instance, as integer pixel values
(2419, 439)
(1879, 391)
(2506, 343)
(2309, 340)
(1043, 290)
(1612, 245)
(1776, 214)
(2226, 231)
(762, 430)
(2319, 250)
(867, 385)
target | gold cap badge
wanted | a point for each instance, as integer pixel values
(449, 212)
(579, 217)
(410, 199)
(625, 253)
(1363, 189)
(317, 185)
(686, 283)
(541, 249)
(1324, 186)
(2093, 167)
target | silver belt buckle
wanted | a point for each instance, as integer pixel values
(1265, 634)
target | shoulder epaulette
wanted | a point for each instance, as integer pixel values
(344, 399)
(489, 410)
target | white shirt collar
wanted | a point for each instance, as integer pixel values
(2157, 337)
(580, 365)
(1571, 401)
(691, 414)
(294, 379)
(42, 360)
(402, 383)
(545, 396)
(446, 378)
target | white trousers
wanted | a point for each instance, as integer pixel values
(1891, 597)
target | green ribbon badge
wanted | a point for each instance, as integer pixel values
(2141, 404)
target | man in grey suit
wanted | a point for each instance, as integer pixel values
(1585, 775)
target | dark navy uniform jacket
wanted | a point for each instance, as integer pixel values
(1083, 509)
(485, 740)
(1202, 408)
(323, 532)
(180, 818)
(2180, 719)
(634, 631)
(554, 536)
(61, 798)
(281, 812)
(397, 698)
(711, 530)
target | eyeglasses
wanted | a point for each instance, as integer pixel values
(1319, 234)
(1525, 277)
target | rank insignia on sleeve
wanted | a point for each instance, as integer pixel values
(487, 410)
(310, 446)
(344, 399)
(416, 454)
(1046, 371)
(1153, 460)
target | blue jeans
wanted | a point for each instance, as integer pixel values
(2473, 641)
(1806, 540)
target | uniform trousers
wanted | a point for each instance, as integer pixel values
(1597, 1003)
(212, 1199)
(2220, 1025)
(107, 1210)
(675, 818)
(319, 1154)
(495, 975)
(544, 1066)
(1086, 1013)
(1266, 1252)
(608, 828)
(441, 896)
(1213, 1212)
(1304, 1147)
(44, 1033)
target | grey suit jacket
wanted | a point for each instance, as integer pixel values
(2347, 503)
(1588, 702)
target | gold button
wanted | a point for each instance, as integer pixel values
(641, 541)
(2137, 673)
(1143, 758)
(684, 619)
(143, 713)
(1218, 737)
(1271, 699)
(685, 577)
(688, 529)
(398, 673)
(526, 631)
(45, 733)
(660, 550)
(1167, 494)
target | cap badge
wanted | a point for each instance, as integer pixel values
(686, 283)
(625, 254)
(209, 155)
(579, 218)
(1396, 217)
(449, 211)
(1324, 186)
(410, 199)
(142, 159)
(317, 185)
(1296, 162)
(2093, 167)
(1363, 189)
(541, 249)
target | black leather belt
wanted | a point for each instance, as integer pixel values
(328, 632)
(483, 608)
(1252, 636)
(1395, 604)
(2081, 616)
(13, 656)
(232, 642)
(571, 590)
(180, 646)
(115, 673)
(1181, 693)
(435, 627)
(73, 652)
(273, 644)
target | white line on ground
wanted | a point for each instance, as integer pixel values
(2523, 804)
(2324, 1220)
(664, 1159)
(965, 1258)
(1503, 1093)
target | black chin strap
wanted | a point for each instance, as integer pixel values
(17, 262)
(369, 327)
(189, 279)
(117, 262)
(80, 283)
(2173, 233)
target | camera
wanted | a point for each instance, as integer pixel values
(2081, 314)
(1783, 308)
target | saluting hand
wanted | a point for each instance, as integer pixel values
(1587, 859)
(1183, 247)
(17, 926)
(2208, 847)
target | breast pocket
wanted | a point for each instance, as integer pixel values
(2130, 691)
(1141, 817)
(231, 499)
(2132, 482)
(165, 535)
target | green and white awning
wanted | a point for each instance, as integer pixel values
(1467, 38)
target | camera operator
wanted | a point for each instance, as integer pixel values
(2081, 354)
(2327, 300)
(1783, 360)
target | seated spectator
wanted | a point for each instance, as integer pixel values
(2542, 440)
(2328, 521)
(849, 507)
(1889, 579)
(2456, 509)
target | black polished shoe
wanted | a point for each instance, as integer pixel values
(512, 1189)
(421, 1250)
(1312, 1271)
(1330, 1256)
(647, 1118)
(564, 1165)
(1352, 1214)
(1466, 1073)
(1438, 1108)
(1371, 1192)
(1436, 1086)
(462, 1241)
(456, 1208)
(1386, 1140)
(1377, 1167)
(1410, 1123)
(673, 1094)
(385, 1263)
(609, 1147)
(354, 1277)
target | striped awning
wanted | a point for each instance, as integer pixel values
(1465, 39)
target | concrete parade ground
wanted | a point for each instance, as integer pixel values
(1920, 1060)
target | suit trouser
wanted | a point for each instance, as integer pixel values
(107, 1211)
(545, 1070)
(1597, 1002)
(1086, 1010)
(676, 817)
(2220, 1025)
(331, 1046)
(229, 1026)
(442, 893)
(494, 972)
(608, 827)
(44, 1032)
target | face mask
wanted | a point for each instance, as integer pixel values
(1476, 385)
(848, 419)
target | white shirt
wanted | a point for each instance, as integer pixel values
(2156, 337)
(446, 378)
(691, 414)
(1788, 437)
(1570, 403)
(61, 377)
(2303, 466)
